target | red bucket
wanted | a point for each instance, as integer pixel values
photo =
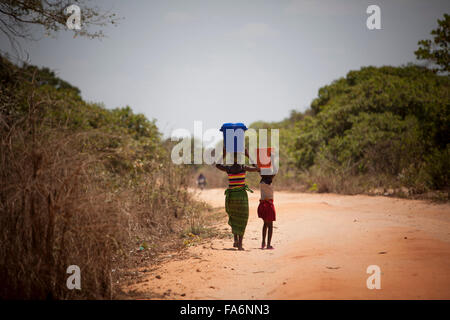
(264, 157)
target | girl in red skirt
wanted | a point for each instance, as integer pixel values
(266, 210)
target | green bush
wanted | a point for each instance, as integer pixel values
(390, 122)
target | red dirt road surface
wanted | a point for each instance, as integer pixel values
(323, 246)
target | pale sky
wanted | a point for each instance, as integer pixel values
(231, 61)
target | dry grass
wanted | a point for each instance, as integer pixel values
(60, 205)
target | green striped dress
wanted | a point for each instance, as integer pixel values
(236, 202)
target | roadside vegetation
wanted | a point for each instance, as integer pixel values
(80, 185)
(374, 130)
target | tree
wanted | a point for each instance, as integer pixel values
(437, 50)
(19, 18)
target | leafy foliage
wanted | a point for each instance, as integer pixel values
(437, 50)
(389, 122)
(18, 16)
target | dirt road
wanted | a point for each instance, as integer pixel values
(323, 246)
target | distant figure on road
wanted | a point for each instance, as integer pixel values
(201, 181)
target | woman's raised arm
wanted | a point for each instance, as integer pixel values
(252, 168)
(221, 167)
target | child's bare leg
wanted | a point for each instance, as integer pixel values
(240, 242)
(269, 234)
(264, 232)
(235, 244)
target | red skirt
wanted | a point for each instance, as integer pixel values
(266, 210)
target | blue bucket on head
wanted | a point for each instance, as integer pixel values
(234, 140)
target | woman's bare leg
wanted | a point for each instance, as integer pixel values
(241, 238)
(264, 232)
(235, 244)
(269, 234)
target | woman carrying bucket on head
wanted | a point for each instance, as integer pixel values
(236, 199)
